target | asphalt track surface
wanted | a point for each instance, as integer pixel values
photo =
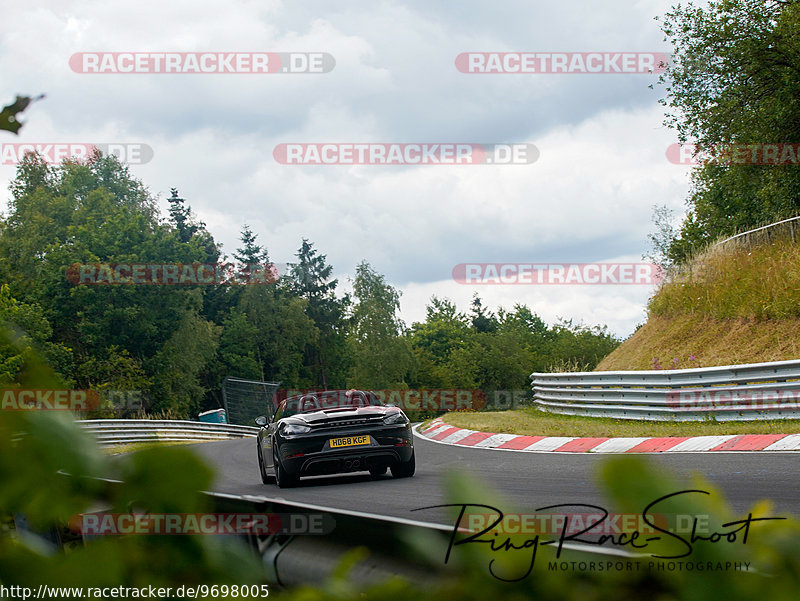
(525, 480)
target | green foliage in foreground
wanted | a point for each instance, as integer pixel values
(9, 115)
(165, 480)
(38, 448)
(34, 446)
(772, 550)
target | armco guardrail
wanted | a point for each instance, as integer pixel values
(734, 392)
(124, 431)
(766, 232)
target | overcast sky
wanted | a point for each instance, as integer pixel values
(588, 197)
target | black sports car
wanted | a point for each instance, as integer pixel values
(333, 432)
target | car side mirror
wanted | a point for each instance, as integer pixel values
(261, 421)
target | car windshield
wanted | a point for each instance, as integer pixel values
(329, 399)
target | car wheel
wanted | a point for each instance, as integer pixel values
(264, 476)
(282, 478)
(404, 470)
(377, 471)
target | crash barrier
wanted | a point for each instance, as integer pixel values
(766, 233)
(726, 393)
(311, 559)
(787, 229)
(125, 431)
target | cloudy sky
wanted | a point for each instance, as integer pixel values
(588, 197)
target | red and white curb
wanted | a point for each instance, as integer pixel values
(438, 431)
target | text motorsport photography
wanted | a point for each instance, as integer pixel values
(657, 541)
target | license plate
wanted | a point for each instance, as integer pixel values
(349, 441)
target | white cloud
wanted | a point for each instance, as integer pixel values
(587, 198)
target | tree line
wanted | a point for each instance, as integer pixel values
(733, 90)
(175, 344)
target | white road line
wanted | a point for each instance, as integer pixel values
(551, 443)
(617, 445)
(495, 440)
(787, 443)
(613, 445)
(436, 430)
(456, 436)
(699, 443)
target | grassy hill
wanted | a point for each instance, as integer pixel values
(735, 303)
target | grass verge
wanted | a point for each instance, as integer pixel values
(728, 306)
(118, 449)
(537, 423)
(686, 342)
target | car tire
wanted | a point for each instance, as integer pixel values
(264, 476)
(405, 469)
(376, 472)
(282, 478)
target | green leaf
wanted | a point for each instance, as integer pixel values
(8, 116)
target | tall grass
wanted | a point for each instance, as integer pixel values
(568, 365)
(759, 282)
(532, 422)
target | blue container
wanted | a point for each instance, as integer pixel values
(215, 416)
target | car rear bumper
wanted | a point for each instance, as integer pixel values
(393, 448)
(352, 461)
